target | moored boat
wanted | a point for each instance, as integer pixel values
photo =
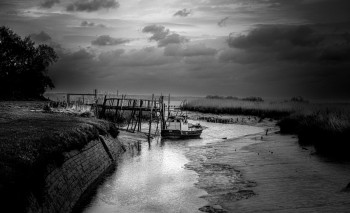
(179, 128)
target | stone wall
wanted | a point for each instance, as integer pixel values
(67, 183)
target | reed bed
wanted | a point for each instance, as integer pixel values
(326, 126)
(239, 107)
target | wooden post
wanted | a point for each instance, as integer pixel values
(104, 107)
(168, 105)
(160, 111)
(150, 122)
(164, 124)
(121, 106)
(68, 98)
(158, 118)
(132, 115)
(136, 118)
(116, 111)
(139, 119)
(95, 93)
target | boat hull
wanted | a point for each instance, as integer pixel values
(178, 134)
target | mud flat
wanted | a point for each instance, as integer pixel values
(269, 173)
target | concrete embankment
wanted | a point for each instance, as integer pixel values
(65, 184)
(50, 160)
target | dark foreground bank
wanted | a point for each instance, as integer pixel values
(33, 144)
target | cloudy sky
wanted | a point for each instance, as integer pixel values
(269, 48)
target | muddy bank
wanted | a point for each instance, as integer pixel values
(264, 173)
(217, 173)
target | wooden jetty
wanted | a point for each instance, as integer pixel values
(136, 111)
(130, 111)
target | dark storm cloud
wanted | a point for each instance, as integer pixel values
(163, 36)
(279, 11)
(106, 40)
(40, 37)
(183, 13)
(189, 50)
(315, 10)
(74, 69)
(267, 36)
(85, 67)
(49, 3)
(223, 21)
(90, 24)
(310, 59)
(279, 42)
(92, 5)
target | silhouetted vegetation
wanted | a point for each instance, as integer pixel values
(299, 99)
(221, 97)
(23, 66)
(254, 99)
(257, 99)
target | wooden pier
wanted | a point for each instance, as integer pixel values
(129, 111)
(136, 111)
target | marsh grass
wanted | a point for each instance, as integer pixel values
(326, 126)
(31, 139)
(240, 107)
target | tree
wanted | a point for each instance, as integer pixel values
(23, 66)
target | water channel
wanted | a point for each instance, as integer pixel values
(155, 179)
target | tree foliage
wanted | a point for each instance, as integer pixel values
(23, 66)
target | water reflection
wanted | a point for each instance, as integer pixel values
(154, 179)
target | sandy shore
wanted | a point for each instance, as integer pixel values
(269, 173)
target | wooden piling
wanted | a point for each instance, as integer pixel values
(168, 105)
(103, 110)
(140, 117)
(150, 121)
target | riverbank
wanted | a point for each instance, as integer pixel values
(269, 173)
(326, 126)
(35, 143)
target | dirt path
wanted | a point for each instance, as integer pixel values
(270, 173)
